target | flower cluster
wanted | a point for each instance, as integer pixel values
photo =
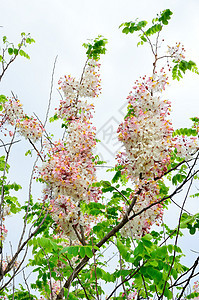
(141, 224)
(5, 262)
(177, 52)
(146, 133)
(56, 287)
(6, 210)
(196, 289)
(186, 146)
(70, 171)
(66, 213)
(30, 128)
(3, 232)
(88, 86)
(69, 166)
(131, 293)
(13, 110)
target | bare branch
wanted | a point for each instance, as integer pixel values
(51, 89)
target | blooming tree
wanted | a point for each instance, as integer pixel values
(78, 217)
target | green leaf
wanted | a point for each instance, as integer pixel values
(192, 295)
(54, 118)
(10, 51)
(154, 29)
(160, 252)
(28, 40)
(73, 250)
(139, 249)
(168, 293)
(99, 272)
(23, 53)
(4, 39)
(3, 99)
(116, 177)
(89, 252)
(29, 152)
(192, 230)
(82, 252)
(124, 251)
(170, 248)
(165, 16)
(16, 51)
(126, 30)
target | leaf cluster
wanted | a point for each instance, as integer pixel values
(157, 25)
(151, 264)
(12, 50)
(96, 47)
(181, 67)
(190, 222)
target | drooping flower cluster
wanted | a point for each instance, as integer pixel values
(69, 167)
(29, 127)
(146, 133)
(70, 173)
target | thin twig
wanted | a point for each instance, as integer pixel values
(51, 89)
(26, 283)
(188, 280)
(122, 279)
(176, 240)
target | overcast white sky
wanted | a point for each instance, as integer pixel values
(61, 26)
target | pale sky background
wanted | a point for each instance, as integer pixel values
(59, 28)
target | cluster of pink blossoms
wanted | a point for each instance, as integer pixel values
(131, 296)
(69, 166)
(88, 86)
(5, 262)
(196, 289)
(177, 52)
(146, 134)
(186, 146)
(30, 128)
(3, 232)
(142, 223)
